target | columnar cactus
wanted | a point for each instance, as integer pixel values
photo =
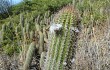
(61, 40)
(2, 32)
(29, 56)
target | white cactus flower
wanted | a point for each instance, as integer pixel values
(55, 27)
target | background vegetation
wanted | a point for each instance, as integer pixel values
(33, 8)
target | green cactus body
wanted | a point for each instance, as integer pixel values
(21, 20)
(2, 32)
(29, 56)
(60, 43)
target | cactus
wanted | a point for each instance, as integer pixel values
(42, 58)
(21, 20)
(29, 56)
(61, 42)
(2, 32)
(41, 42)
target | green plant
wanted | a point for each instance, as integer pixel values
(60, 43)
(29, 55)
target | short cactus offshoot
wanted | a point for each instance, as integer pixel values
(61, 40)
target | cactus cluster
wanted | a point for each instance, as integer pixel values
(21, 36)
(55, 49)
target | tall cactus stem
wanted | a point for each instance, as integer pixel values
(29, 56)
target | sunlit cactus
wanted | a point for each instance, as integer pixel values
(21, 20)
(27, 28)
(2, 31)
(41, 42)
(29, 56)
(61, 41)
(42, 58)
(3, 27)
